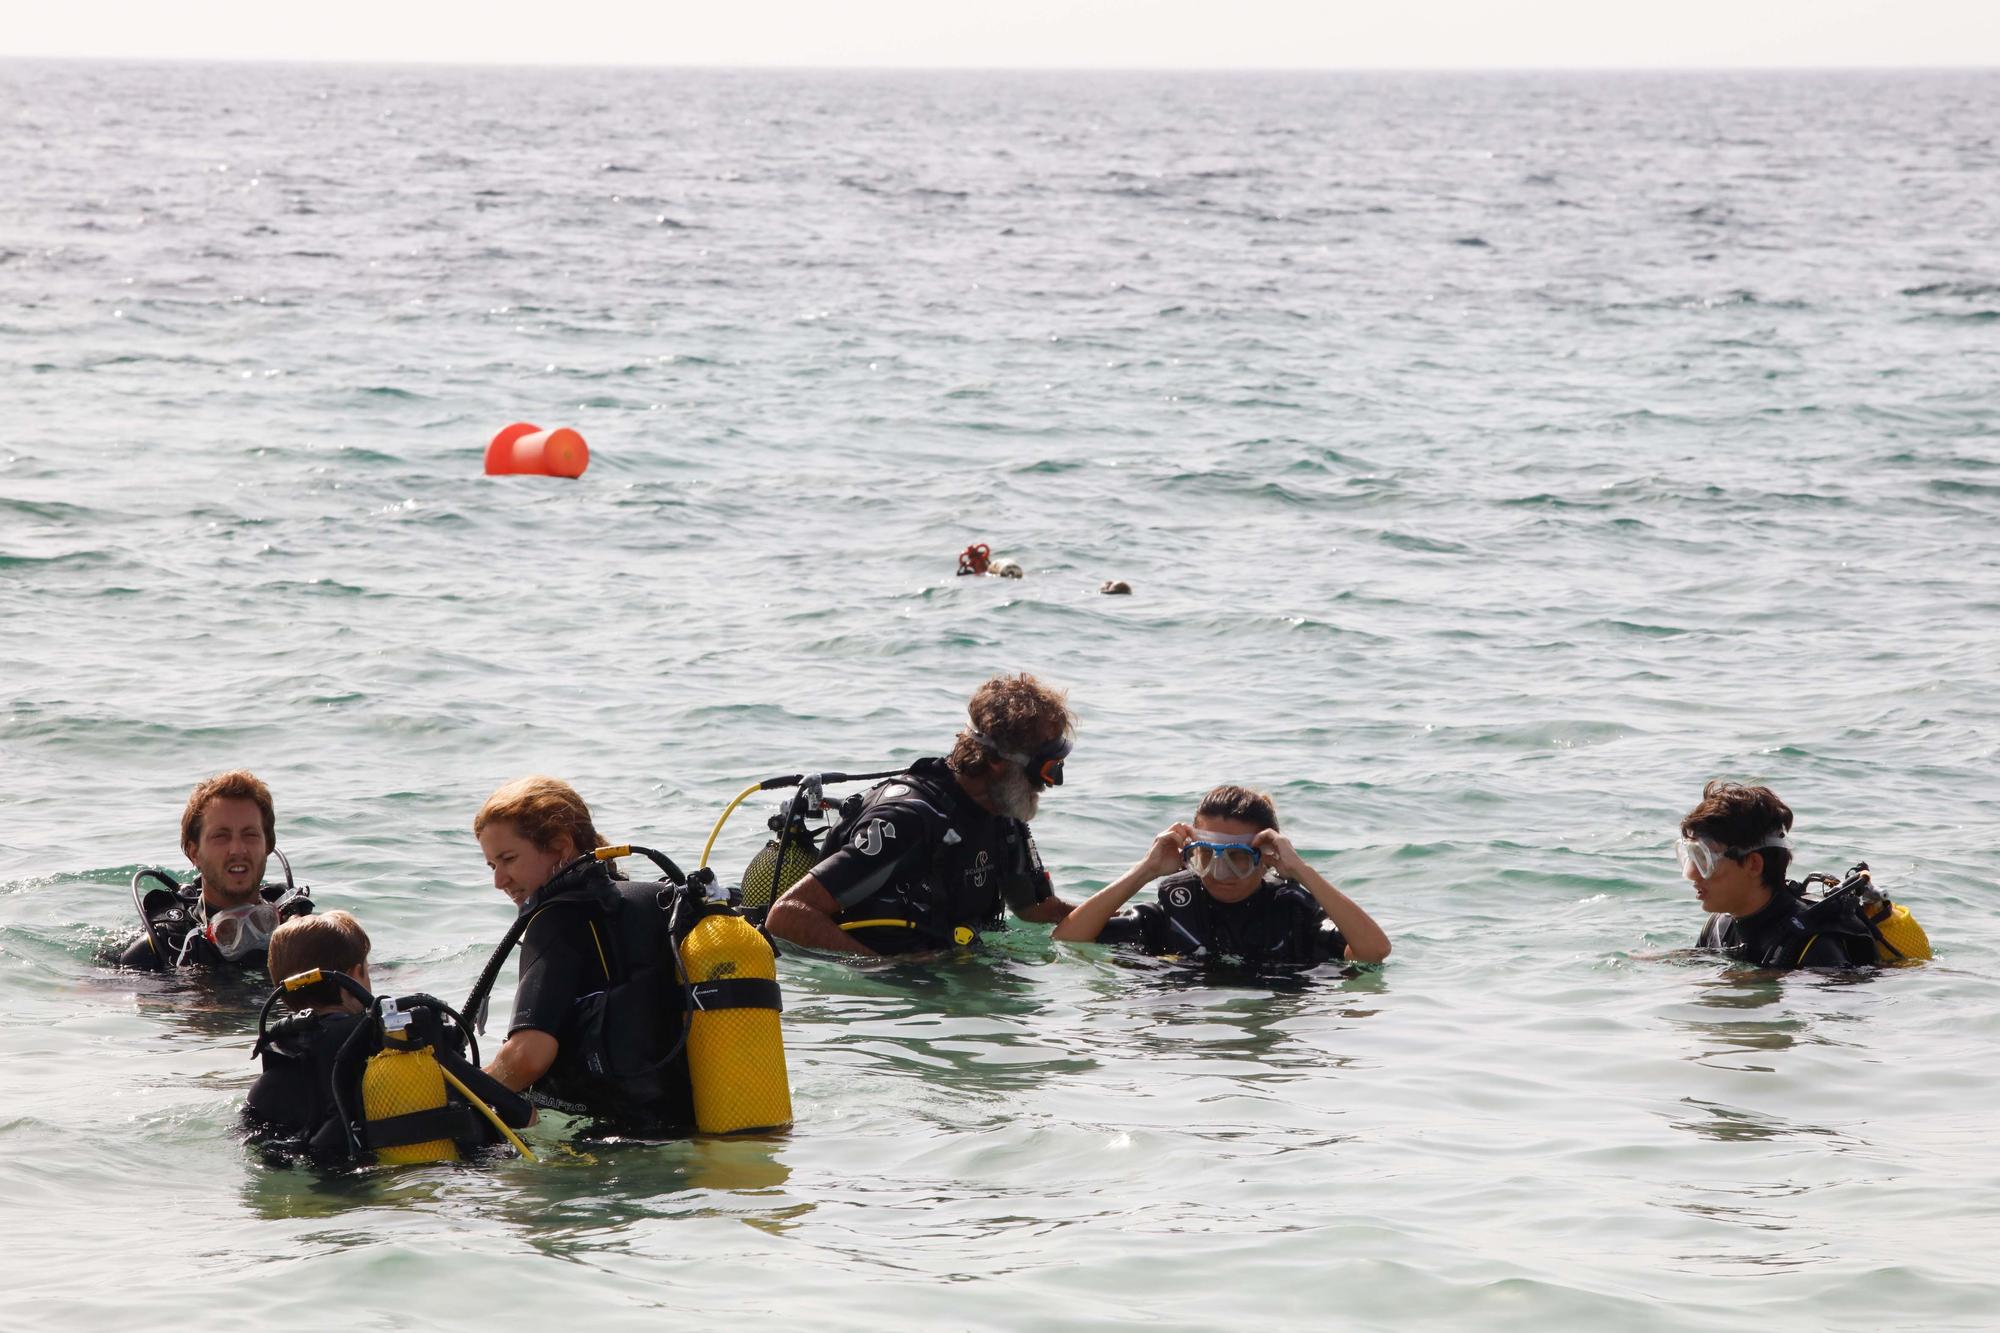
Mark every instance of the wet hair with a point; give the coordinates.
(1018, 713)
(237, 784)
(1742, 817)
(544, 811)
(1241, 804)
(330, 941)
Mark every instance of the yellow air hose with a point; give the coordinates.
(716, 832)
(488, 1112)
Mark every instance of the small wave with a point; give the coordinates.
(77, 559)
(1958, 317)
(1640, 629)
(1404, 541)
(51, 511)
(1474, 242)
(1966, 289)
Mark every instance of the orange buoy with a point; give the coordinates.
(522, 449)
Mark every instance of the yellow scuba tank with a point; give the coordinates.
(404, 1078)
(1895, 927)
(1897, 936)
(784, 861)
(736, 1055)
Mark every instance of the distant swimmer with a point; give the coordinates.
(225, 917)
(1735, 847)
(932, 856)
(323, 1093)
(1231, 888)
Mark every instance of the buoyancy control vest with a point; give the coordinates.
(172, 914)
(391, 1084)
(978, 865)
(1853, 923)
(685, 1028)
(1280, 924)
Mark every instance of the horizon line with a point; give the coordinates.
(413, 62)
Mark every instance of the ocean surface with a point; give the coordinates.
(1494, 459)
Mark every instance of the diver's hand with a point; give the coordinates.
(1164, 856)
(1279, 852)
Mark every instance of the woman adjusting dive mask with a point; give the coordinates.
(1229, 855)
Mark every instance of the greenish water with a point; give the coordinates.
(1494, 459)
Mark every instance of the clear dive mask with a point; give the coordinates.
(1703, 855)
(237, 931)
(1223, 854)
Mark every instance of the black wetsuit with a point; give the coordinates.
(1280, 925)
(927, 859)
(292, 1107)
(176, 921)
(1780, 936)
(591, 977)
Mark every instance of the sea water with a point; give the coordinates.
(1493, 458)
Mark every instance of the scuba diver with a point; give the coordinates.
(227, 915)
(1234, 889)
(323, 1091)
(927, 859)
(652, 1006)
(1735, 847)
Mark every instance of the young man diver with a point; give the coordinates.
(936, 853)
(229, 828)
(1234, 889)
(1735, 847)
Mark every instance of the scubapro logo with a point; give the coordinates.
(1179, 896)
(872, 837)
(978, 872)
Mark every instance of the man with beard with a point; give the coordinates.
(934, 853)
(228, 830)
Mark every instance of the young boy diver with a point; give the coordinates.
(1234, 888)
(293, 1104)
(1735, 847)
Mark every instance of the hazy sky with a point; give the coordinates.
(1091, 33)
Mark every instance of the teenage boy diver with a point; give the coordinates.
(1244, 894)
(1735, 847)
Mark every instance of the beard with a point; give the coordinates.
(1015, 795)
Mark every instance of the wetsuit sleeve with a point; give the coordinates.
(512, 1108)
(1714, 931)
(1027, 883)
(1328, 942)
(139, 953)
(554, 972)
(274, 1101)
(1146, 926)
(889, 843)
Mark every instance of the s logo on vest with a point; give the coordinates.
(980, 868)
(871, 837)
(1180, 895)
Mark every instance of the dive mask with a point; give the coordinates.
(1228, 856)
(1044, 766)
(1703, 855)
(236, 931)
